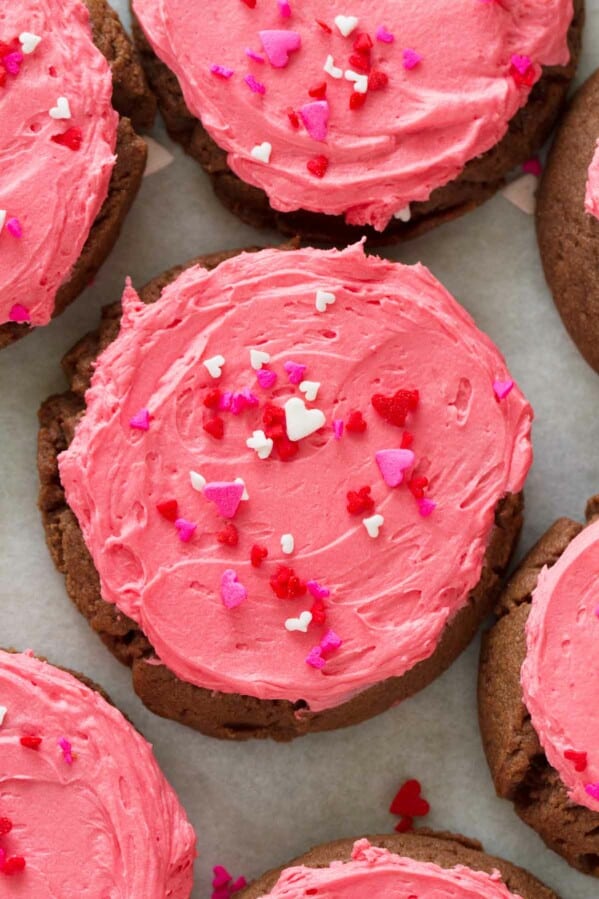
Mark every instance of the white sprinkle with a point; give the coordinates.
(198, 481)
(245, 494)
(287, 543)
(301, 422)
(331, 69)
(299, 624)
(3, 711)
(261, 444)
(323, 299)
(258, 358)
(29, 41)
(310, 389)
(373, 524)
(214, 365)
(346, 24)
(360, 81)
(404, 215)
(262, 151)
(2, 218)
(62, 110)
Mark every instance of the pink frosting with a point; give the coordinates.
(457, 74)
(377, 872)
(389, 327)
(591, 200)
(91, 812)
(52, 191)
(560, 676)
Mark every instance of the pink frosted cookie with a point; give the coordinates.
(297, 474)
(84, 808)
(539, 680)
(58, 141)
(318, 117)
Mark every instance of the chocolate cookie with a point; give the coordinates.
(224, 714)
(569, 234)
(519, 765)
(478, 180)
(443, 849)
(135, 104)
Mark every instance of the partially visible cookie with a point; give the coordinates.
(567, 220)
(84, 803)
(62, 127)
(543, 754)
(424, 864)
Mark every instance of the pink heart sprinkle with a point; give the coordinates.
(67, 752)
(254, 85)
(222, 71)
(278, 45)
(253, 55)
(266, 378)
(315, 117)
(13, 226)
(243, 399)
(592, 790)
(19, 313)
(141, 420)
(231, 591)
(284, 8)
(226, 495)
(502, 388)
(426, 507)
(12, 62)
(533, 167)
(338, 428)
(330, 642)
(410, 58)
(317, 591)
(392, 464)
(2, 858)
(221, 876)
(314, 658)
(521, 63)
(383, 35)
(295, 371)
(185, 529)
(224, 401)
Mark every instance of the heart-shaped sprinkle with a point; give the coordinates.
(355, 423)
(337, 426)
(245, 495)
(410, 58)
(287, 544)
(301, 623)
(324, 298)
(383, 35)
(295, 371)
(169, 509)
(403, 215)
(2, 218)
(346, 24)
(301, 422)
(214, 365)
(521, 63)
(3, 712)
(409, 802)
(5, 826)
(395, 409)
(215, 427)
(262, 152)
(426, 507)
(258, 358)
(12, 62)
(317, 591)
(70, 138)
(314, 658)
(284, 9)
(19, 314)
(318, 166)
(266, 378)
(140, 421)
(373, 524)
(318, 92)
(330, 642)
(29, 42)
(359, 81)
(359, 501)
(229, 536)
(392, 464)
(221, 71)
(404, 826)
(319, 612)
(31, 742)
(14, 228)
(198, 481)
(257, 555)
(278, 45)
(226, 495)
(254, 85)
(592, 790)
(310, 389)
(232, 592)
(315, 117)
(62, 110)
(185, 529)
(502, 388)
(580, 759)
(331, 69)
(261, 444)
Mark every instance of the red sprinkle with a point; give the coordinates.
(273, 418)
(523, 78)
(324, 26)
(377, 80)
(395, 409)
(417, 486)
(359, 501)
(258, 554)
(250, 3)
(408, 801)
(286, 584)
(319, 612)
(71, 138)
(579, 759)
(13, 865)
(286, 448)
(318, 166)
(319, 92)
(212, 399)
(293, 118)
(31, 742)
(169, 509)
(360, 62)
(5, 826)
(2, 75)
(215, 427)
(355, 423)
(356, 100)
(407, 440)
(363, 43)
(405, 824)
(229, 535)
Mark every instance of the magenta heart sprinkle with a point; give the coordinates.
(266, 378)
(185, 529)
(278, 45)
(384, 35)
(19, 314)
(314, 658)
(295, 371)
(317, 591)
(140, 421)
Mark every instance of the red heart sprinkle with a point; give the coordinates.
(286, 584)
(408, 802)
(360, 62)
(31, 742)
(359, 501)
(71, 138)
(324, 26)
(523, 78)
(258, 554)
(169, 509)
(2, 75)
(417, 485)
(579, 758)
(405, 824)
(5, 826)
(215, 427)
(212, 399)
(229, 535)
(407, 440)
(250, 3)
(319, 612)
(293, 118)
(13, 865)
(356, 100)
(318, 166)
(377, 80)
(319, 92)
(286, 448)
(363, 43)
(355, 423)
(395, 409)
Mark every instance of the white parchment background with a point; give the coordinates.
(255, 805)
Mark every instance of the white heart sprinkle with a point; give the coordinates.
(346, 24)
(331, 69)
(373, 524)
(261, 443)
(522, 193)
(301, 422)
(299, 624)
(3, 711)
(215, 365)
(287, 543)
(310, 389)
(360, 81)
(2, 218)
(404, 215)
(323, 299)
(245, 494)
(62, 110)
(198, 481)
(262, 151)
(29, 41)
(258, 358)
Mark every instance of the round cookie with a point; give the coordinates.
(334, 173)
(567, 220)
(71, 93)
(384, 551)
(537, 722)
(84, 807)
(421, 863)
